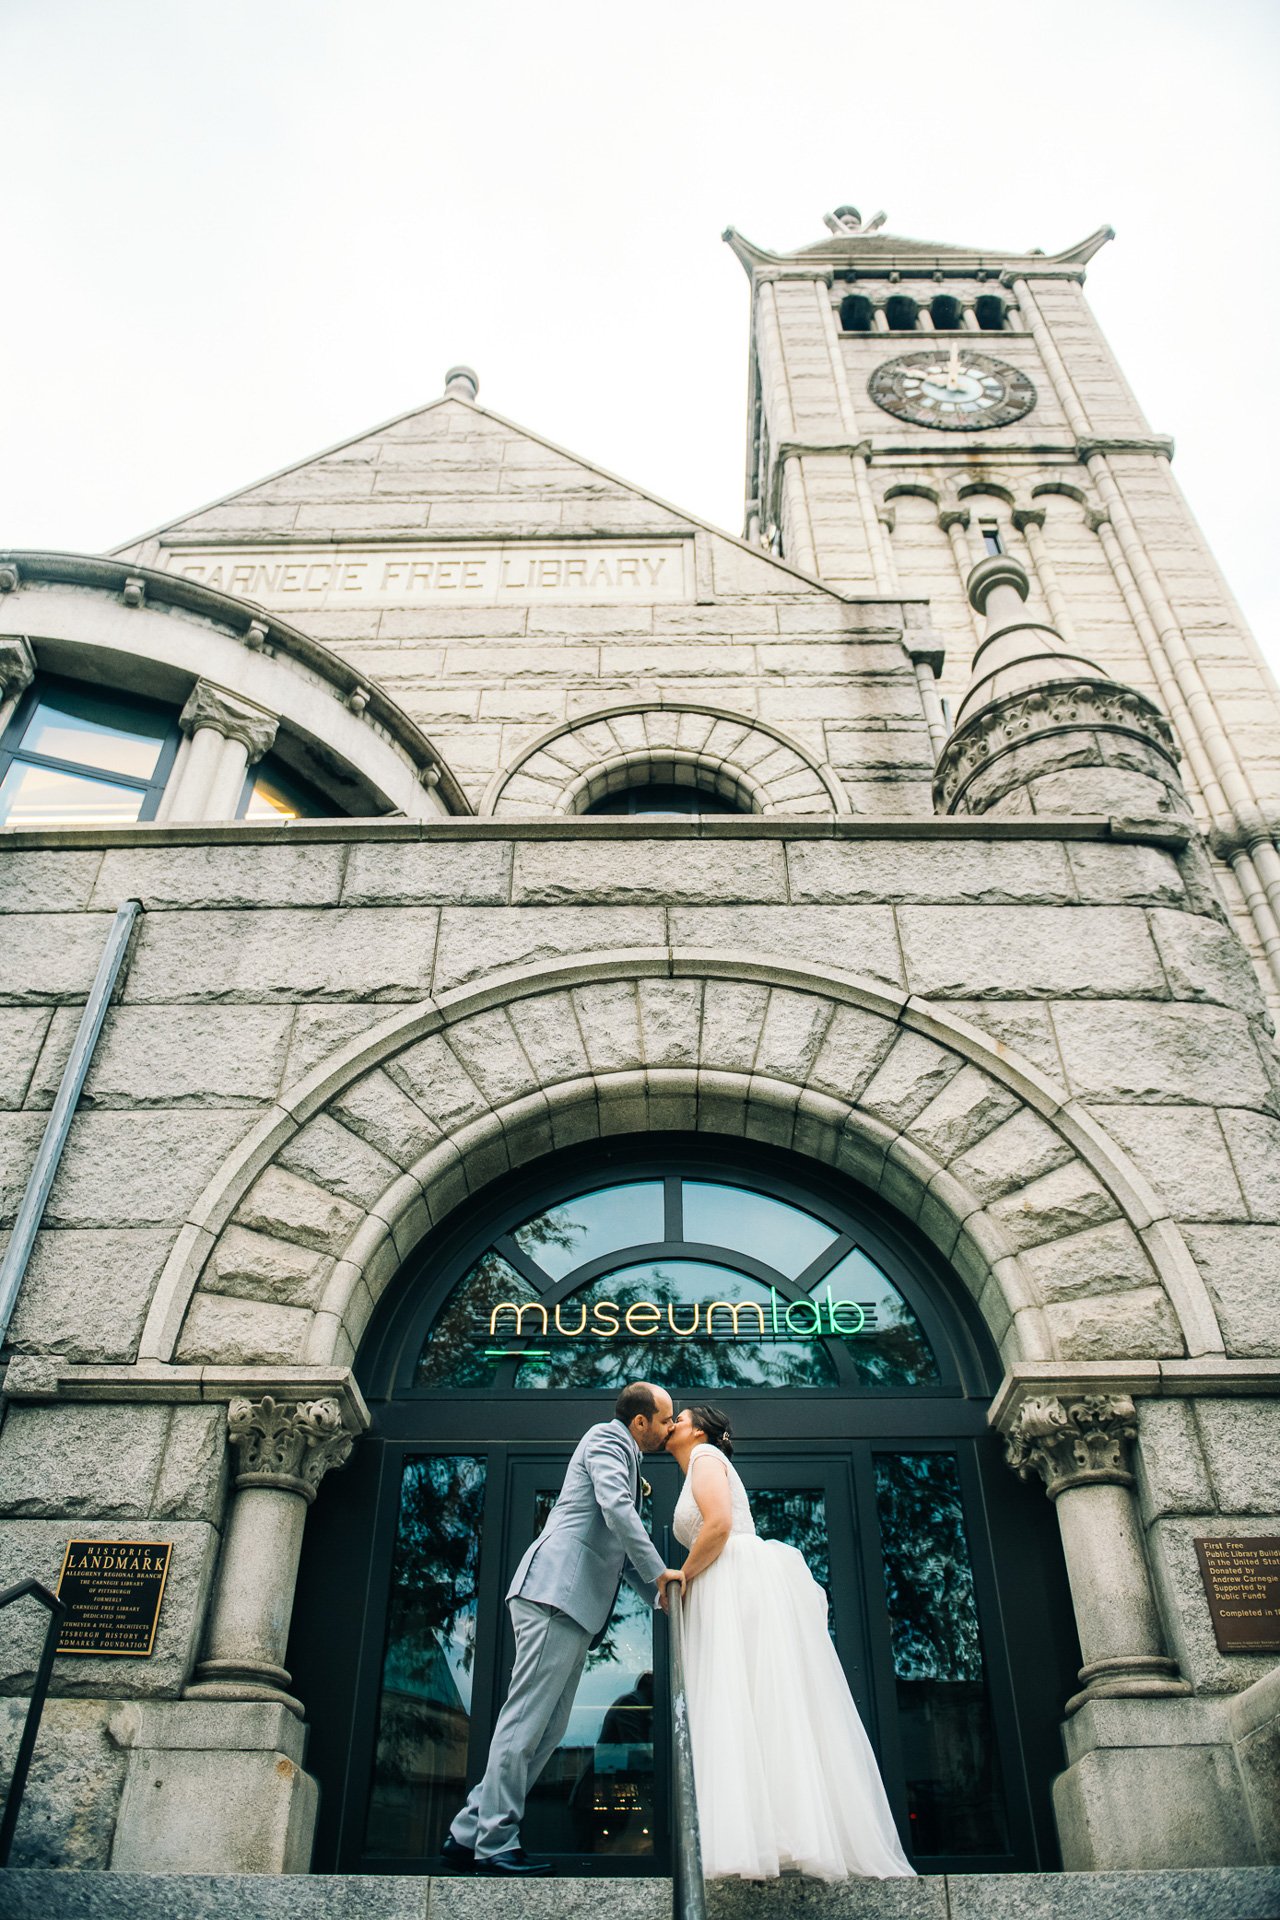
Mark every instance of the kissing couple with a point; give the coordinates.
(784, 1774)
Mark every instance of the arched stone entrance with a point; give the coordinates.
(1066, 1258)
(868, 1451)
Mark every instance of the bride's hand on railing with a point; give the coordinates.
(671, 1578)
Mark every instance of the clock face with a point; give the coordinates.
(952, 388)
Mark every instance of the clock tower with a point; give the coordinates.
(918, 407)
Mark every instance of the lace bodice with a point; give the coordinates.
(687, 1521)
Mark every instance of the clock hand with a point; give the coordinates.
(953, 365)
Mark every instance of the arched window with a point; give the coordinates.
(78, 755)
(857, 1376)
(900, 311)
(989, 311)
(272, 791)
(676, 783)
(946, 313)
(857, 315)
(705, 1284)
(663, 796)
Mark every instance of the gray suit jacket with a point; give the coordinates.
(594, 1537)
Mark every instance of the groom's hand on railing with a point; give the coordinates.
(671, 1578)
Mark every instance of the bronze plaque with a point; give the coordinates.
(112, 1591)
(1242, 1580)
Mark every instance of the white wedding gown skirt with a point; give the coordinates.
(783, 1771)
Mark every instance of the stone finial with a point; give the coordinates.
(230, 715)
(848, 221)
(461, 383)
(10, 578)
(1042, 728)
(134, 591)
(290, 1444)
(1073, 1443)
(17, 665)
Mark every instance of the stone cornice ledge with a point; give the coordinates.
(1155, 830)
(32, 1377)
(1140, 1379)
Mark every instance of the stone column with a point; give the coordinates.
(1079, 1448)
(226, 735)
(1233, 847)
(954, 522)
(928, 665)
(17, 671)
(1030, 524)
(285, 1448)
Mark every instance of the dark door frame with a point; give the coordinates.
(1026, 1620)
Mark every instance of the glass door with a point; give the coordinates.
(436, 1632)
(600, 1803)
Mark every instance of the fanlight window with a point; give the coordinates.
(699, 1283)
(272, 792)
(76, 755)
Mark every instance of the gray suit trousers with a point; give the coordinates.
(551, 1650)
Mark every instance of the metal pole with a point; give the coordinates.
(31, 1727)
(689, 1888)
(30, 1213)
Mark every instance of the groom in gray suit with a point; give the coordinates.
(560, 1600)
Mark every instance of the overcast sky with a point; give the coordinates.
(237, 232)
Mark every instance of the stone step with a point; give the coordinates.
(1204, 1893)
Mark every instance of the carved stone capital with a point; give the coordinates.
(228, 714)
(17, 666)
(1024, 517)
(1095, 518)
(289, 1444)
(1073, 1443)
(1160, 443)
(953, 517)
(1251, 828)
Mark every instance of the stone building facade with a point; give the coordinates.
(898, 883)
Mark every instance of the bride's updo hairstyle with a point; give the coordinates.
(712, 1422)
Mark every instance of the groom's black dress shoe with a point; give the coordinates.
(461, 1859)
(514, 1863)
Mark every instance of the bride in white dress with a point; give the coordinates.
(784, 1773)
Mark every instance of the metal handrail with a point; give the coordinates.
(688, 1886)
(49, 1153)
(35, 1706)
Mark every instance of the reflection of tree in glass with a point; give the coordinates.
(685, 1364)
(555, 1228)
(928, 1577)
(896, 1353)
(798, 1517)
(629, 1606)
(432, 1610)
(453, 1354)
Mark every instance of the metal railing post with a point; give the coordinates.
(54, 1138)
(688, 1887)
(35, 1707)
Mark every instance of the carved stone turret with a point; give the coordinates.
(1042, 729)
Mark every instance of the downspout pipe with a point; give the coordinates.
(14, 1265)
